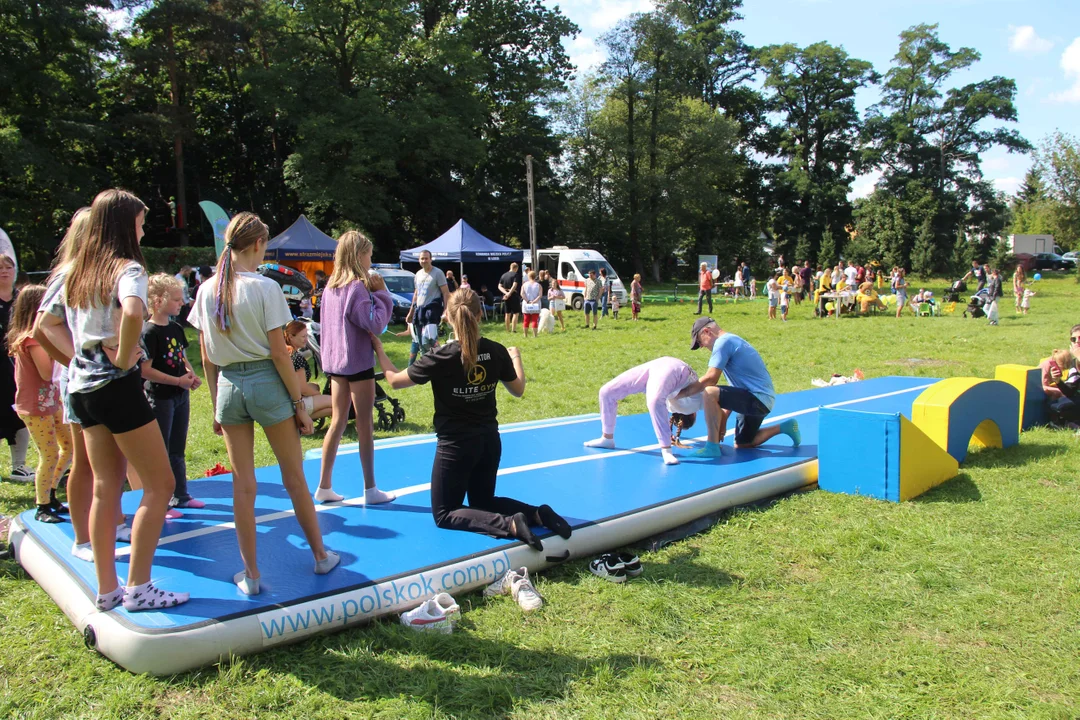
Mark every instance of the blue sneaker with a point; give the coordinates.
(791, 429)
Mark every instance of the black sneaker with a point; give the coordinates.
(630, 564)
(606, 566)
(46, 514)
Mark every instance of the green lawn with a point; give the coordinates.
(961, 604)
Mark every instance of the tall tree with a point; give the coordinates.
(812, 93)
(1058, 161)
(51, 128)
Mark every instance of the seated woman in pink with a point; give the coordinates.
(659, 379)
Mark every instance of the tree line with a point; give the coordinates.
(401, 116)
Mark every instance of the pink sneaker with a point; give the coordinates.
(192, 503)
(173, 513)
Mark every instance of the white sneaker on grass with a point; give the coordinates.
(22, 474)
(517, 584)
(435, 615)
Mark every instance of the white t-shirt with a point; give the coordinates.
(738, 278)
(773, 288)
(95, 328)
(851, 274)
(428, 284)
(258, 307)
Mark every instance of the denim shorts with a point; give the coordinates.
(590, 307)
(252, 391)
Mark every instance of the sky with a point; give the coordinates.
(1034, 42)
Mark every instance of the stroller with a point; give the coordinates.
(388, 418)
(293, 284)
(977, 304)
(953, 293)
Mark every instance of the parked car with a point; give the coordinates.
(1071, 255)
(1053, 261)
(400, 283)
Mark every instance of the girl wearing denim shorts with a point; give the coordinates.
(105, 297)
(240, 315)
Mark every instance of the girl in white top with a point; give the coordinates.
(105, 295)
(737, 286)
(240, 315)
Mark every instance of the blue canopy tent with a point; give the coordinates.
(304, 247)
(463, 244)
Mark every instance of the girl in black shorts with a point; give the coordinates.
(463, 377)
(105, 295)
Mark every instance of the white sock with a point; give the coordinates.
(148, 597)
(19, 447)
(82, 551)
(601, 442)
(375, 496)
(669, 457)
(108, 601)
(328, 563)
(327, 495)
(123, 533)
(248, 586)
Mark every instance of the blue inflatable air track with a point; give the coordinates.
(393, 556)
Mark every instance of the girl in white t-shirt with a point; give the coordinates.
(240, 315)
(105, 295)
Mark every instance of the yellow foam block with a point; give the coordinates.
(955, 411)
(1028, 382)
(923, 463)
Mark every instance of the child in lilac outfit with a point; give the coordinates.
(354, 304)
(658, 379)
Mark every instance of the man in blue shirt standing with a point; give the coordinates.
(749, 391)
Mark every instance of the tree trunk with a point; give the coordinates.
(178, 138)
(654, 199)
(631, 178)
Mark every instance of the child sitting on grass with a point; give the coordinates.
(168, 377)
(37, 401)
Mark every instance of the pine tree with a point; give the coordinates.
(803, 251)
(922, 255)
(827, 250)
(962, 255)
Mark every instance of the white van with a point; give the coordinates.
(572, 268)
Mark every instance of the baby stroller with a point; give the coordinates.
(977, 304)
(953, 293)
(388, 418)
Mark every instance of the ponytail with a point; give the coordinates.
(243, 231)
(462, 312)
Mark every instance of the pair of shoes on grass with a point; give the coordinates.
(517, 584)
(616, 567)
(439, 614)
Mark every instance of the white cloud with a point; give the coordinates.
(1025, 40)
(864, 185)
(1070, 63)
(585, 54)
(608, 12)
(1008, 185)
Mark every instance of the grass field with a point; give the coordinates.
(961, 604)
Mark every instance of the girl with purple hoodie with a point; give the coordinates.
(354, 304)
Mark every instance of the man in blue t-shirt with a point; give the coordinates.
(749, 391)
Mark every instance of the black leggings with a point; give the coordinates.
(467, 466)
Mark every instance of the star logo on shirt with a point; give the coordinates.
(477, 375)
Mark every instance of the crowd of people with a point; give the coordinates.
(862, 288)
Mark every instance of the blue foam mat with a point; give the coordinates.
(542, 463)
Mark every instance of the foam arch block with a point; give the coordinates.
(879, 455)
(955, 411)
(1028, 382)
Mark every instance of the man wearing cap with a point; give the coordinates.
(749, 391)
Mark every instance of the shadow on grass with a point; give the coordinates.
(1022, 454)
(462, 675)
(961, 489)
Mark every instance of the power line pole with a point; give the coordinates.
(532, 210)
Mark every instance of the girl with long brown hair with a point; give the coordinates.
(463, 376)
(355, 305)
(105, 297)
(240, 315)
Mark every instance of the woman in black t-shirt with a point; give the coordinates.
(463, 376)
